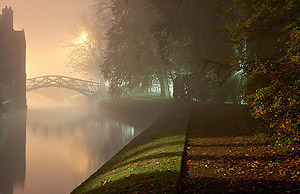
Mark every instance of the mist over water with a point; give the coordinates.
(56, 147)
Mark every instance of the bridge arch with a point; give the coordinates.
(87, 88)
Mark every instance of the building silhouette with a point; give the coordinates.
(12, 62)
(12, 151)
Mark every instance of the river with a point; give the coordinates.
(51, 149)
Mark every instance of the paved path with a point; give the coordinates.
(221, 156)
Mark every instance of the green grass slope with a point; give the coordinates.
(150, 163)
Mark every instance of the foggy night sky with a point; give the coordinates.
(48, 26)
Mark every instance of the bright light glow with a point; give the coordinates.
(84, 36)
(81, 40)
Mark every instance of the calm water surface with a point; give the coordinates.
(56, 148)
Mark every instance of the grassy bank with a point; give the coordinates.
(208, 148)
(152, 161)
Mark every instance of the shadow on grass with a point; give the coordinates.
(150, 157)
(156, 182)
(219, 185)
(145, 150)
(147, 157)
(151, 161)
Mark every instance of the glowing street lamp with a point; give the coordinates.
(81, 39)
(83, 36)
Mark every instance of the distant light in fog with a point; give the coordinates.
(48, 28)
(81, 39)
(84, 36)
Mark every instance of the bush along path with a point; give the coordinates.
(222, 156)
(151, 163)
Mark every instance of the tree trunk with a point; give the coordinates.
(162, 87)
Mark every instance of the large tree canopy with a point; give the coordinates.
(224, 51)
(131, 56)
(156, 42)
(268, 36)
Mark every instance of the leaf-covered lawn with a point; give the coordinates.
(222, 155)
(150, 163)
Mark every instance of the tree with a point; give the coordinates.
(87, 50)
(131, 59)
(191, 46)
(268, 36)
(152, 43)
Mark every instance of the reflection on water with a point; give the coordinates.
(12, 151)
(64, 146)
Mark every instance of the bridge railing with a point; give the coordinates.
(85, 87)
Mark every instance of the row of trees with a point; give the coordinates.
(160, 46)
(217, 51)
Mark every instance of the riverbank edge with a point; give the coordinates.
(150, 162)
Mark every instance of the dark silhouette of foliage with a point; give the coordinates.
(131, 58)
(267, 38)
(156, 42)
